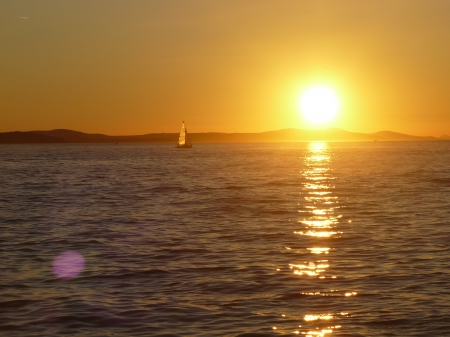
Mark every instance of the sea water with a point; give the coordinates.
(312, 239)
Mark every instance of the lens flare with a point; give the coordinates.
(68, 265)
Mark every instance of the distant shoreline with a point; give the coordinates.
(286, 135)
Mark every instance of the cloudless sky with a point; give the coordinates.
(135, 67)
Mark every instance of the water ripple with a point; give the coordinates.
(319, 240)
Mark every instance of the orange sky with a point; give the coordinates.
(135, 67)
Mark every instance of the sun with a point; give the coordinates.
(319, 104)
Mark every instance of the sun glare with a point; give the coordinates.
(319, 104)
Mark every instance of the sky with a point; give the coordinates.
(137, 67)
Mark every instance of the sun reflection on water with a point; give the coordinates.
(321, 207)
(316, 317)
(319, 210)
(319, 250)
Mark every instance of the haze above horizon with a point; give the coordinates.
(141, 67)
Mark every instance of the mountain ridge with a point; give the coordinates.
(283, 135)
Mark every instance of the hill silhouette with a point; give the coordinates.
(17, 137)
(285, 135)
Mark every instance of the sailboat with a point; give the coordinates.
(184, 141)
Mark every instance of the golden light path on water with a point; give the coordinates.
(319, 221)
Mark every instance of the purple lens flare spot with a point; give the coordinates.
(68, 265)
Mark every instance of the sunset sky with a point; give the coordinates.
(135, 67)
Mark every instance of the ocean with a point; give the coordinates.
(269, 239)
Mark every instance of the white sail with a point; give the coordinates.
(184, 140)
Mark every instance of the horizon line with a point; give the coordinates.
(221, 132)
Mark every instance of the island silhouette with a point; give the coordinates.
(284, 135)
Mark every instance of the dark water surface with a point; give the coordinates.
(320, 240)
